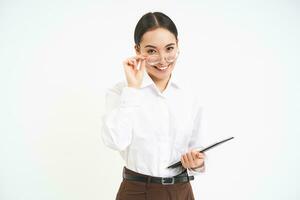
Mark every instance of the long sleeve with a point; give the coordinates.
(196, 140)
(117, 122)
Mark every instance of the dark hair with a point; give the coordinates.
(151, 21)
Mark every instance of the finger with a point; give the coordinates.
(190, 157)
(143, 65)
(139, 57)
(135, 63)
(186, 160)
(183, 162)
(195, 155)
(127, 65)
(129, 62)
(192, 162)
(132, 63)
(200, 155)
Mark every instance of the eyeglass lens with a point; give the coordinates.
(155, 59)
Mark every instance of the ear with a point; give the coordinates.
(137, 49)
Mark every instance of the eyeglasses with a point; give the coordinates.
(156, 59)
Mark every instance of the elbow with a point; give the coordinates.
(114, 139)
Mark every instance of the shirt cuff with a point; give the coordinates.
(196, 171)
(130, 97)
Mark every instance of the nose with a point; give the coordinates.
(163, 61)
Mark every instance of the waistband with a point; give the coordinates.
(135, 176)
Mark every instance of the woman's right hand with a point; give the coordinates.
(134, 76)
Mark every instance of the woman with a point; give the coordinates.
(152, 119)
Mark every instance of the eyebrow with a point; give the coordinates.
(155, 46)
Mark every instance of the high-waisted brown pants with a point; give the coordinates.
(134, 190)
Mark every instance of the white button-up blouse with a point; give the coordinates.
(152, 129)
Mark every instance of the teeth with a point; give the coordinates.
(162, 68)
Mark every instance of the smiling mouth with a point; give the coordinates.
(162, 68)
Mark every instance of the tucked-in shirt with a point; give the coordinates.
(152, 129)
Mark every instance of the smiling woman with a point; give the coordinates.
(152, 119)
(155, 38)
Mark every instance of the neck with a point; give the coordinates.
(161, 84)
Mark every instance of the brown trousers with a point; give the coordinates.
(134, 190)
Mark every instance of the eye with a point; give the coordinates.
(151, 51)
(170, 48)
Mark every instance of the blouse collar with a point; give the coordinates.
(148, 81)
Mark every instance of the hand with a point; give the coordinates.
(192, 159)
(134, 76)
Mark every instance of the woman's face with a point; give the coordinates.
(159, 42)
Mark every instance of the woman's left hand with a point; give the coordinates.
(192, 159)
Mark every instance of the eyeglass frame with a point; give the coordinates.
(176, 56)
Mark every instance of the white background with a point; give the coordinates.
(57, 58)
